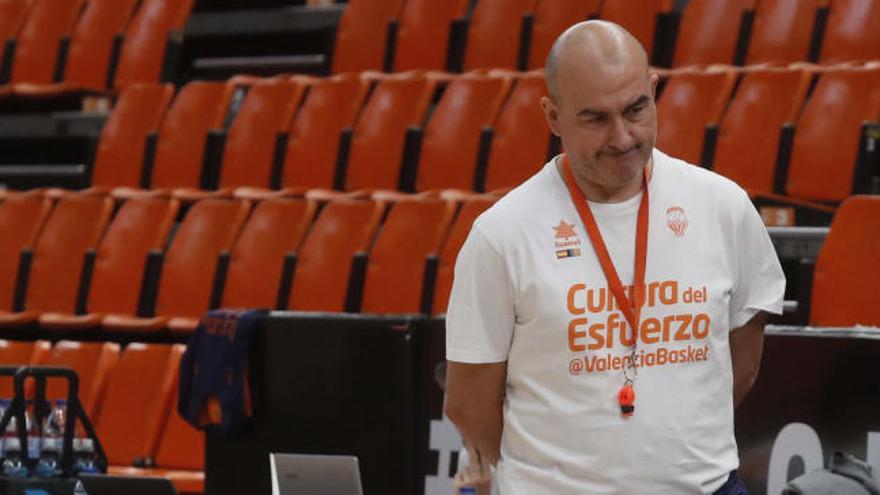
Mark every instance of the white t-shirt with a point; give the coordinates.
(529, 290)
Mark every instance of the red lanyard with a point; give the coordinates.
(630, 308)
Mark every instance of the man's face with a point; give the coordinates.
(607, 120)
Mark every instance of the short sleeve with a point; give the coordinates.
(480, 317)
(760, 282)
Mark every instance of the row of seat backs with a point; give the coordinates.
(130, 396)
(827, 107)
(708, 30)
(38, 27)
(257, 241)
(312, 114)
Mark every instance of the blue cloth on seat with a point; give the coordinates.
(213, 389)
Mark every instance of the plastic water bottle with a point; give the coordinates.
(4, 406)
(84, 461)
(49, 464)
(33, 435)
(13, 465)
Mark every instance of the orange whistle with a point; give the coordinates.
(627, 397)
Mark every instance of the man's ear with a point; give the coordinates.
(551, 113)
(654, 80)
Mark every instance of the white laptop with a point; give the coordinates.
(307, 474)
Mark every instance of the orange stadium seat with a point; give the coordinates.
(12, 17)
(21, 218)
(91, 48)
(641, 20)
(37, 44)
(494, 34)
(552, 17)
(423, 33)
(199, 107)
(846, 280)
(93, 363)
(378, 137)
(251, 143)
(145, 39)
(749, 134)
(180, 456)
(331, 105)
(826, 141)
(361, 35)
(141, 225)
(470, 210)
(74, 226)
(518, 150)
(14, 353)
(708, 32)
(852, 32)
(323, 268)
(276, 227)
(187, 276)
(452, 137)
(691, 101)
(137, 399)
(120, 155)
(395, 281)
(781, 31)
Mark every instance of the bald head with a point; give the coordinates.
(599, 47)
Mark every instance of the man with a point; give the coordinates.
(546, 377)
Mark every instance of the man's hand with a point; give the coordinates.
(474, 400)
(746, 347)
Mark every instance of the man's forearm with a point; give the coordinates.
(481, 429)
(474, 403)
(746, 348)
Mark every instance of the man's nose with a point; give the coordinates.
(619, 136)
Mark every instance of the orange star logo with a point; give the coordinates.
(564, 230)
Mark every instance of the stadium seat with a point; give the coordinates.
(749, 134)
(846, 280)
(93, 363)
(452, 137)
(518, 149)
(395, 281)
(708, 32)
(641, 20)
(180, 456)
(15, 353)
(362, 34)
(852, 32)
(251, 142)
(37, 44)
(21, 219)
(331, 105)
(423, 33)
(136, 402)
(199, 107)
(470, 209)
(141, 225)
(827, 139)
(782, 31)
(13, 15)
(377, 144)
(188, 270)
(74, 226)
(145, 40)
(120, 155)
(343, 228)
(691, 101)
(551, 18)
(494, 34)
(91, 46)
(275, 228)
